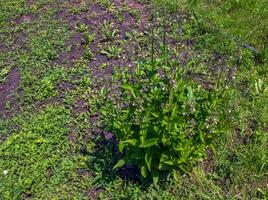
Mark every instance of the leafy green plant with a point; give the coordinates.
(162, 121)
(112, 51)
(109, 32)
(109, 5)
(89, 38)
(81, 27)
(88, 53)
(3, 73)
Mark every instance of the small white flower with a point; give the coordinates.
(5, 172)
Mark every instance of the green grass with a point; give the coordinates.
(245, 21)
(48, 149)
(35, 151)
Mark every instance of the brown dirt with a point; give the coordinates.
(30, 2)
(94, 18)
(27, 18)
(94, 193)
(3, 47)
(20, 40)
(209, 163)
(8, 92)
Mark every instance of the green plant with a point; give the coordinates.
(112, 51)
(3, 73)
(109, 5)
(162, 121)
(135, 14)
(119, 17)
(88, 53)
(8, 105)
(89, 38)
(246, 59)
(81, 27)
(109, 32)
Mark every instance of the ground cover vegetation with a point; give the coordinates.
(133, 99)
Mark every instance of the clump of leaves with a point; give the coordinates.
(88, 53)
(108, 31)
(3, 73)
(89, 38)
(109, 5)
(80, 27)
(162, 121)
(112, 51)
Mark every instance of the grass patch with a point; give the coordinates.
(36, 156)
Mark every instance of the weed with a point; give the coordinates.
(3, 73)
(112, 51)
(109, 5)
(109, 33)
(89, 38)
(161, 123)
(81, 27)
(88, 53)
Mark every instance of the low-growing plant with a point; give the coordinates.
(109, 5)
(88, 53)
(3, 73)
(89, 38)
(112, 51)
(108, 31)
(81, 27)
(162, 121)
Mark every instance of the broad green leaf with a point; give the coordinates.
(122, 144)
(148, 160)
(190, 93)
(156, 128)
(163, 166)
(155, 175)
(169, 162)
(150, 142)
(174, 112)
(163, 157)
(119, 164)
(121, 147)
(103, 91)
(144, 171)
(131, 141)
(130, 88)
(156, 115)
(165, 162)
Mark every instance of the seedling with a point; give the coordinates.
(112, 51)
(88, 53)
(81, 27)
(89, 38)
(8, 105)
(135, 14)
(109, 32)
(109, 5)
